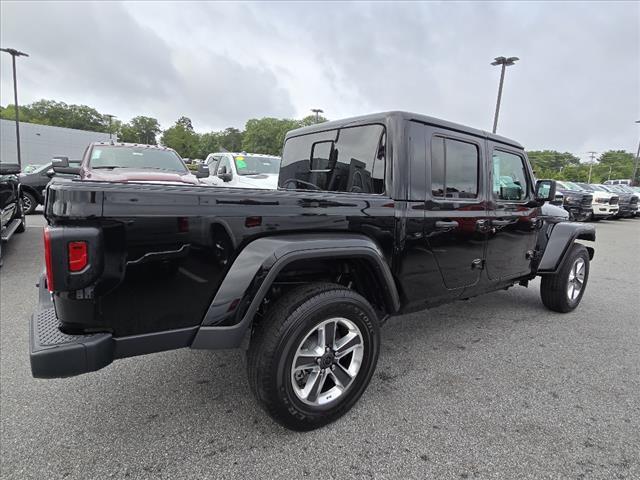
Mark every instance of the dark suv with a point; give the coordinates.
(11, 214)
(34, 182)
(375, 216)
(576, 201)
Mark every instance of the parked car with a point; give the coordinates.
(628, 200)
(242, 170)
(619, 181)
(577, 201)
(127, 162)
(34, 181)
(605, 204)
(375, 216)
(11, 214)
(636, 191)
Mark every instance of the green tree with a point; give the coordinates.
(59, 114)
(551, 163)
(230, 139)
(182, 138)
(266, 135)
(208, 143)
(140, 129)
(616, 163)
(311, 120)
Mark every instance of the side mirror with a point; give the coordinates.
(545, 190)
(203, 171)
(223, 175)
(61, 165)
(50, 173)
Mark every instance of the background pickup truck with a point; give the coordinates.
(375, 216)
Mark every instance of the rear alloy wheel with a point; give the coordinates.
(313, 354)
(563, 291)
(29, 203)
(327, 361)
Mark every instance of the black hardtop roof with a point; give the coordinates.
(382, 117)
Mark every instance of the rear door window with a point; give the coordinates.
(454, 168)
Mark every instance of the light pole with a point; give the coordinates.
(635, 164)
(593, 160)
(16, 53)
(505, 62)
(317, 111)
(110, 117)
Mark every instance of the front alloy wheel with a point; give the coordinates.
(562, 291)
(576, 279)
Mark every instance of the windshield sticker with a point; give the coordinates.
(240, 163)
(95, 155)
(137, 154)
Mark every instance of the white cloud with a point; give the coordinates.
(577, 86)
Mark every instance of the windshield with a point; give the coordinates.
(248, 165)
(572, 186)
(35, 168)
(598, 188)
(586, 186)
(108, 156)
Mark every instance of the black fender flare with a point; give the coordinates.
(562, 237)
(256, 267)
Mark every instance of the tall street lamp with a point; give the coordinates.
(635, 164)
(505, 62)
(317, 111)
(110, 117)
(16, 53)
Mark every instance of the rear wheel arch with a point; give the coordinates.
(249, 282)
(358, 272)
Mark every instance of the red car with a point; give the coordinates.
(127, 162)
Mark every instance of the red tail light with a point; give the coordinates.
(47, 258)
(78, 257)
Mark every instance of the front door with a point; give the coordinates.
(514, 221)
(455, 219)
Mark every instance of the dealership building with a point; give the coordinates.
(40, 143)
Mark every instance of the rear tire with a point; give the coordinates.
(313, 355)
(563, 291)
(29, 203)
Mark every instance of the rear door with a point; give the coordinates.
(455, 211)
(514, 222)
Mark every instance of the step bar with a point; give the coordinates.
(10, 229)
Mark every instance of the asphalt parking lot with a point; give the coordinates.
(494, 387)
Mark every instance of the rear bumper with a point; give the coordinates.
(55, 354)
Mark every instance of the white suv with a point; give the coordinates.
(242, 170)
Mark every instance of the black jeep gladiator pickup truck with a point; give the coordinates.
(375, 216)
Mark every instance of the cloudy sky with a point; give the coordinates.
(576, 87)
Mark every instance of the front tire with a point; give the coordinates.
(563, 291)
(313, 355)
